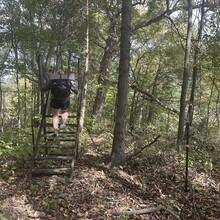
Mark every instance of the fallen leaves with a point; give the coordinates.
(96, 191)
(37, 214)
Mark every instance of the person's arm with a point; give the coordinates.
(73, 87)
(47, 87)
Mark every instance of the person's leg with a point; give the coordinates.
(55, 107)
(64, 113)
(55, 113)
(55, 120)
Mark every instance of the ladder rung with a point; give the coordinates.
(57, 146)
(69, 116)
(62, 132)
(59, 139)
(54, 158)
(61, 135)
(68, 125)
(59, 154)
(51, 171)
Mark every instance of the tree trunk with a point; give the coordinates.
(17, 83)
(217, 108)
(118, 146)
(133, 112)
(195, 67)
(69, 61)
(185, 79)
(206, 130)
(41, 80)
(103, 79)
(25, 101)
(134, 103)
(1, 107)
(58, 57)
(150, 116)
(82, 102)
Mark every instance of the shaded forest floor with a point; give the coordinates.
(150, 180)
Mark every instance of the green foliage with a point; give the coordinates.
(213, 47)
(15, 144)
(86, 140)
(157, 58)
(209, 165)
(109, 110)
(106, 139)
(14, 150)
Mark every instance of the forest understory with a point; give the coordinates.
(153, 179)
(150, 68)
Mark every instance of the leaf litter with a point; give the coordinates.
(96, 192)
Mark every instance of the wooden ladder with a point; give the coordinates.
(55, 155)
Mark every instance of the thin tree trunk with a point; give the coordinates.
(135, 98)
(217, 108)
(133, 110)
(151, 107)
(59, 57)
(33, 94)
(17, 84)
(25, 100)
(208, 112)
(118, 146)
(83, 86)
(103, 79)
(38, 99)
(167, 125)
(19, 99)
(185, 79)
(69, 61)
(40, 80)
(1, 107)
(195, 67)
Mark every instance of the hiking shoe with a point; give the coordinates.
(55, 134)
(62, 126)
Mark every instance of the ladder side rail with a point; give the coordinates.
(32, 131)
(43, 113)
(46, 113)
(79, 97)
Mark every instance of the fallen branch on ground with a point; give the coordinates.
(89, 133)
(146, 211)
(136, 153)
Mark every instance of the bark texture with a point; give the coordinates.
(118, 147)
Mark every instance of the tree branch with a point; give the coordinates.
(153, 20)
(168, 12)
(154, 99)
(136, 153)
(176, 31)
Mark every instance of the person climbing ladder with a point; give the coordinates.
(60, 85)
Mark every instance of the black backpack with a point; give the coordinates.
(60, 89)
